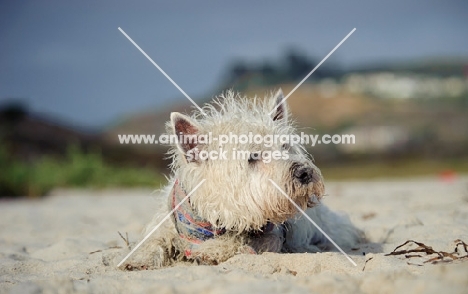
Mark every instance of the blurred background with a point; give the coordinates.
(70, 82)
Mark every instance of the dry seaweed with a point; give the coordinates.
(440, 256)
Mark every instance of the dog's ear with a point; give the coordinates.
(281, 109)
(186, 131)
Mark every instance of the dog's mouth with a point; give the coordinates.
(318, 190)
(313, 200)
(308, 186)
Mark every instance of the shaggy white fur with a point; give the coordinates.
(237, 196)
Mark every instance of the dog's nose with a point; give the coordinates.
(304, 174)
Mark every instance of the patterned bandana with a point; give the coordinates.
(189, 225)
(192, 227)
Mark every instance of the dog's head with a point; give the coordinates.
(240, 147)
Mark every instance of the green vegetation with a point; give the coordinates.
(77, 169)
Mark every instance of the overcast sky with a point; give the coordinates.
(67, 58)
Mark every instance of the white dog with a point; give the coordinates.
(237, 209)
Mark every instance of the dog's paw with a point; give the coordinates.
(271, 242)
(246, 249)
(144, 259)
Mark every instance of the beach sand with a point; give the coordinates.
(62, 244)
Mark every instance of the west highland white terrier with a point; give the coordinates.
(233, 206)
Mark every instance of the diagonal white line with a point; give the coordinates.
(315, 68)
(160, 223)
(318, 228)
(161, 70)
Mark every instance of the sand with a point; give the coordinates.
(63, 244)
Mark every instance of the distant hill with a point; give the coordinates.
(294, 66)
(431, 130)
(310, 104)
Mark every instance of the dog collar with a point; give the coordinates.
(191, 226)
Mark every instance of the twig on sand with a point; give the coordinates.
(127, 242)
(366, 263)
(100, 250)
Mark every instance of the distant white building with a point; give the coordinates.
(404, 86)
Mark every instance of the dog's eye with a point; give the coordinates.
(254, 156)
(286, 146)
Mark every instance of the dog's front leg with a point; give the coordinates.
(268, 242)
(219, 249)
(161, 249)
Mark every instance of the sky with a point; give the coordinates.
(67, 59)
